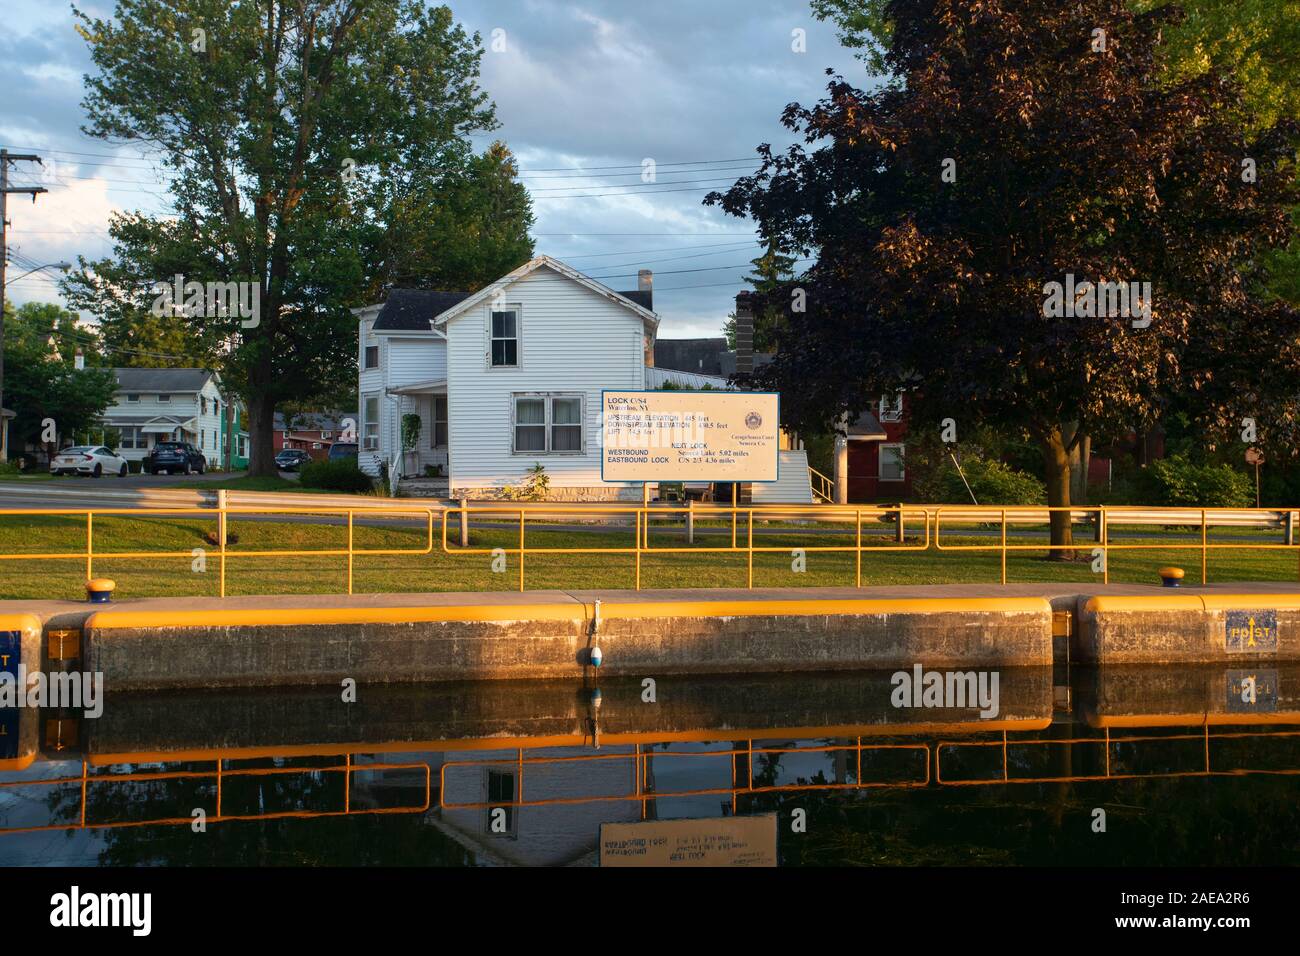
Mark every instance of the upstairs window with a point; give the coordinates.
(164, 398)
(372, 356)
(504, 352)
(133, 396)
(891, 408)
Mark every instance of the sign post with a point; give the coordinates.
(1255, 457)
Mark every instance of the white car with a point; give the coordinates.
(93, 460)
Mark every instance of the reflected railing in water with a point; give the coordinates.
(1112, 752)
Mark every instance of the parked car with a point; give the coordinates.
(93, 460)
(175, 457)
(343, 450)
(291, 459)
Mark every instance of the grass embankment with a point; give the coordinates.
(437, 571)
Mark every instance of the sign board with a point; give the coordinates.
(11, 652)
(714, 841)
(690, 436)
(1250, 632)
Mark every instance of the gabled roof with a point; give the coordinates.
(162, 379)
(409, 310)
(488, 292)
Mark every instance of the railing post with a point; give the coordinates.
(858, 555)
(1205, 550)
(1004, 544)
(1290, 528)
(637, 549)
(464, 522)
(750, 549)
(899, 535)
(690, 521)
(350, 516)
(521, 550)
(734, 517)
(1103, 522)
(221, 542)
(90, 546)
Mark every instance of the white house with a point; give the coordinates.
(504, 379)
(166, 404)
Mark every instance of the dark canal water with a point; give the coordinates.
(1180, 765)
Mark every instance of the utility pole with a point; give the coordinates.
(6, 158)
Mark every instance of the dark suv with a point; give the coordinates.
(173, 457)
(291, 459)
(342, 451)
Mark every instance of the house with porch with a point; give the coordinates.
(504, 379)
(167, 404)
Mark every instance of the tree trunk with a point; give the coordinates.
(1056, 466)
(261, 435)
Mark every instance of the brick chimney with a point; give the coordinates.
(744, 334)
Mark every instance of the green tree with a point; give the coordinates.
(294, 134)
(41, 382)
(1014, 154)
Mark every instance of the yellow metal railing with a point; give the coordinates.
(900, 528)
(222, 550)
(642, 517)
(823, 488)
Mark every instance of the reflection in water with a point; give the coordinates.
(1190, 764)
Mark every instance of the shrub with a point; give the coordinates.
(992, 482)
(536, 485)
(343, 475)
(9, 468)
(1177, 482)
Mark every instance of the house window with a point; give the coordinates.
(891, 463)
(440, 421)
(316, 445)
(891, 408)
(164, 399)
(500, 797)
(505, 339)
(372, 356)
(203, 405)
(371, 424)
(133, 396)
(548, 424)
(133, 438)
(325, 436)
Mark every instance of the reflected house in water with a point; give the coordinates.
(430, 769)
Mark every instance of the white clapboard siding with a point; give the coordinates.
(792, 487)
(572, 340)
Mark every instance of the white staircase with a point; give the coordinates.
(793, 485)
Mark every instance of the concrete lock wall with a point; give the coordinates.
(1190, 628)
(230, 648)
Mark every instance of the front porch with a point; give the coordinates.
(423, 470)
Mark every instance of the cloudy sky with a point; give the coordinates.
(585, 92)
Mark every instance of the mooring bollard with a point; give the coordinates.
(1171, 577)
(464, 523)
(100, 591)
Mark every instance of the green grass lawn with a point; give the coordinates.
(183, 573)
(27, 476)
